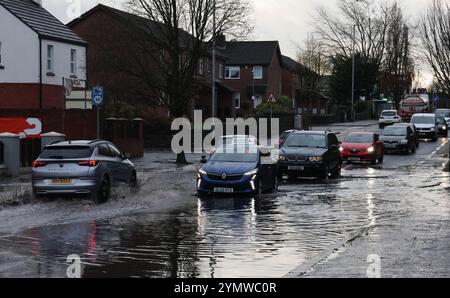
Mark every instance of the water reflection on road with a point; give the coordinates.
(228, 237)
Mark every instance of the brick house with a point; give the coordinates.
(253, 71)
(121, 43)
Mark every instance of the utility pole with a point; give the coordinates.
(214, 103)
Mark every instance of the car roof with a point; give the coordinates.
(361, 133)
(390, 111)
(88, 143)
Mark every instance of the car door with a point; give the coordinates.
(122, 169)
(108, 161)
(334, 159)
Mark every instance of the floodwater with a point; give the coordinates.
(223, 237)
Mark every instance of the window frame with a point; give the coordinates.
(262, 72)
(237, 96)
(50, 58)
(73, 62)
(228, 70)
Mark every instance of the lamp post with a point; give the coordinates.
(213, 90)
(353, 75)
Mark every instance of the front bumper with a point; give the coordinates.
(78, 186)
(364, 156)
(395, 146)
(301, 168)
(427, 134)
(245, 185)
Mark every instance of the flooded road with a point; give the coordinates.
(175, 234)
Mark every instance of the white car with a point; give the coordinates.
(389, 117)
(427, 126)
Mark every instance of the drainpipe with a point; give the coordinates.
(40, 73)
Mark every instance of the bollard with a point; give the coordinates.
(11, 151)
(50, 138)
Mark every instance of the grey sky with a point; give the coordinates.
(288, 21)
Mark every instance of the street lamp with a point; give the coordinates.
(353, 75)
(214, 108)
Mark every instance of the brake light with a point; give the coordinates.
(90, 163)
(37, 164)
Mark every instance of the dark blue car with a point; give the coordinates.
(241, 169)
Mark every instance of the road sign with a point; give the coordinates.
(271, 99)
(436, 98)
(97, 96)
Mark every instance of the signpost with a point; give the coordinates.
(271, 100)
(97, 101)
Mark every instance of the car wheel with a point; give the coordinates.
(104, 191)
(325, 173)
(260, 187)
(338, 171)
(381, 158)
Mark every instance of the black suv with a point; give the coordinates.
(399, 138)
(310, 153)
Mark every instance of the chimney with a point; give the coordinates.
(38, 2)
(221, 42)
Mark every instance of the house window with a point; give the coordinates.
(50, 58)
(0, 53)
(257, 72)
(220, 71)
(73, 62)
(201, 66)
(232, 72)
(237, 101)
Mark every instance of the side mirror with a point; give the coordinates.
(204, 160)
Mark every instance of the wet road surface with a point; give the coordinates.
(171, 233)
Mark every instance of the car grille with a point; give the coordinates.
(424, 129)
(390, 142)
(296, 158)
(218, 177)
(355, 151)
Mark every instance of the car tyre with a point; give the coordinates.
(338, 172)
(133, 182)
(104, 191)
(325, 173)
(260, 187)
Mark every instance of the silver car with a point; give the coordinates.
(81, 167)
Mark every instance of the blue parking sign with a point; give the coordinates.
(97, 96)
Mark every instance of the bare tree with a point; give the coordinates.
(369, 20)
(435, 33)
(398, 67)
(174, 35)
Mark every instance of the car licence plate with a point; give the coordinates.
(296, 168)
(223, 190)
(354, 159)
(62, 181)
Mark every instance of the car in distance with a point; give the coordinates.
(238, 169)
(389, 117)
(81, 167)
(362, 147)
(310, 153)
(442, 124)
(443, 113)
(427, 126)
(414, 129)
(399, 138)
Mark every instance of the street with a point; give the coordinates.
(398, 211)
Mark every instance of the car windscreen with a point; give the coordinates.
(395, 131)
(235, 156)
(306, 140)
(423, 120)
(66, 152)
(442, 114)
(359, 138)
(389, 114)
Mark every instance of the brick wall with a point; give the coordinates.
(27, 96)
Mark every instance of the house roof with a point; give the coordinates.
(252, 52)
(41, 21)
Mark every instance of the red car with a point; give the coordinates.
(362, 146)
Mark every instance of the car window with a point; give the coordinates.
(389, 114)
(306, 140)
(423, 120)
(395, 131)
(66, 152)
(115, 152)
(359, 138)
(104, 150)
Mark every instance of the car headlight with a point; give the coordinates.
(201, 173)
(315, 158)
(404, 142)
(341, 149)
(371, 150)
(282, 158)
(251, 173)
(444, 127)
(433, 129)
